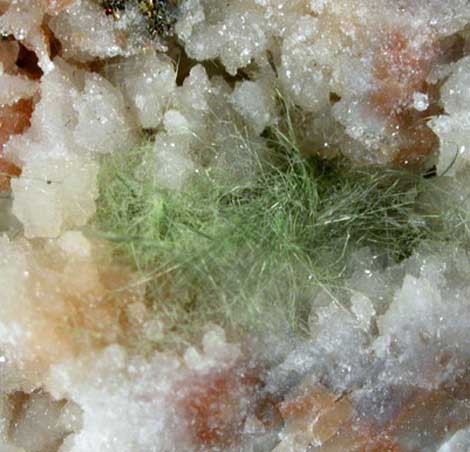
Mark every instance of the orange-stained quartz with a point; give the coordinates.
(418, 143)
(435, 412)
(53, 44)
(7, 171)
(9, 50)
(314, 415)
(400, 70)
(348, 440)
(14, 119)
(70, 322)
(267, 412)
(309, 403)
(216, 405)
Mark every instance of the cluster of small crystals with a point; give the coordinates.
(384, 81)
(364, 73)
(387, 365)
(57, 187)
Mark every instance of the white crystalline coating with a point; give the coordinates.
(427, 318)
(174, 160)
(317, 5)
(370, 59)
(35, 422)
(453, 128)
(363, 309)
(192, 15)
(236, 33)
(85, 32)
(413, 304)
(55, 193)
(75, 243)
(21, 18)
(130, 403)
(70, 418)
(14, 88)
(54, 117)
(173, 163)
(215, 352)
(175, 123)
(57, 188)
(14, 277)
(456, 91)
(426, 312)
(100, 108)
(281, 15)
(366, 128)
(148, 82)
(300, 73)
(255, 103)
(426, 309)
(126, 402)
(233, 32)
(201, 131)
(338, 354)
(196, 90)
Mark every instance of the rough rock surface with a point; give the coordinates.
(385, 363)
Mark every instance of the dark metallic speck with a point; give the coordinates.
(160, 14)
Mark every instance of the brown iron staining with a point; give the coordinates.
(400, 70)
(160, 15)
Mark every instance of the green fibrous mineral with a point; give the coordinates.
(255, 255)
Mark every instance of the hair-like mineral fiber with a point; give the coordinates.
(244, 254)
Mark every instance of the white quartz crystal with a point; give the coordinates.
(55, 193)
(14, 88)
(100, 108)
(233, 32)
(148, 82)
(453, 128)
(255, 103)
(79, 115)
(86, 32)
(201, 130)
(371, 59)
